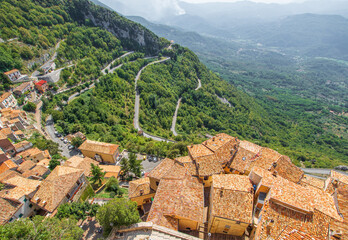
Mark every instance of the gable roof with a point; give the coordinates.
(7, 175)
(339, 176)
(11, 71)
(7, 209)
(232, 197)
(246, 152)
(41, 82)
(161, 169)
(208, 165)
(312, 181)
(288, 170)
(199, 150)
(139, 187)
(21, 87)
(5, 96)
(7, 165)
(38, 171)
(56, 186)
(177, 197)
(110, 170)
(26, 165)
(99, 147)
(23, 187)
(81, 163)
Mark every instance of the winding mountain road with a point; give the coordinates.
(137, 106)
(108, 67)
(175, 116)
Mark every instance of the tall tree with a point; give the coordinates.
(97, 174)
(125, 168)
(116, 213)
(135, 165)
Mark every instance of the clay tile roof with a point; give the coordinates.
(44, 162)
(6, 131)
(5, 96)
(232, 197)
(56, 186)
(7, 165)
(339, 176)
(110, 170)
(246, 152)
(217, 141)
(26, 165)
(199, 150)
(99, 147)
(288, 170)
(81, 163)
(184, 159)
(208, 165)
(19, 181)
(139, 187)
(38, 171)
(161, 169)
(291, 233)
(30, 152)
(22, 86)
(41, 82)
(177, 198)
(267, 158)
(7, 209)
(312, 181)
(21, 144)
(23, 188)
(7, 175)
(11, 71)
(177, 171)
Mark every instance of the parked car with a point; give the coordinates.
(59, 135)
(155, 159)
(62, 138)
(56, 133)
(71, 147)
(149, 158)
(65, 141)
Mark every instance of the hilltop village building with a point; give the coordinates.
(232, 189)
(101, 152)
(7, 100)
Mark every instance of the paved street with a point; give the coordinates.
(175, 117)
(62, 146)
(148, 166)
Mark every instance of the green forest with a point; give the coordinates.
(106, 112)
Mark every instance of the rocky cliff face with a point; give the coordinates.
(133, 35)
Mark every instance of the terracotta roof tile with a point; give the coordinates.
(232, 197)
(7, 209)
(184, 159)
(7, 175)
(290, 233)
(44, 162)
(56, 186)
(288, 170)
(139, 187)
(81, 163)
(199, 150)
(339, 176)
(18, 192)
(5, 96)
(99, 147)
(7, 165)
(38, 171)
(26, 165)
(19, 181)
(312, 181)
(22, 86)
(208, 165)
(161, 169)
(265, 160)
(110, 170)
(177, 198)
(246, 152)
(21, 144)
(11, 71)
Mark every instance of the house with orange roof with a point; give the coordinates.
(111, 171)
(81, 163)
(19, 191)
(3, 156)
(25, 166)
(159, 172)
(231, 204)
(22, 146)
(41, 86)
(7, 100)
(38, 172)
(34, 154)
(63, 184)
(179, 201)
(101, 152)
(7, 165)
(8, 133)
(25, 87)
(13, 75)
(140, 192)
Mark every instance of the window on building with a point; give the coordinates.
(20, 215)
(157, 183)
(206, 178)
(30, 205)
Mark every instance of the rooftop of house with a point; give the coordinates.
(56, 186)
(5, 96)
(18, 192)
(22, 86)
(7, 175)
(44, 162)
(7, 165)
(110, 170)
(307, 180)
(232, 197)
(246, 152)
(288, 170)
(81, 163)
(8, 209)
(99, 147)
(37, 171)
(26, 165)
(161, 169)
(11, 71)
(177, 196)
(341, 198)
(266, 159)
(208, 165)
(199, 150)
(30, 152)
(19, 181)
(291, 233)
(22, 144)
(139, 187)
(40, 83)
(184, 159)
(218, 141)
(339, 176)
(6, 131)
(276, 218)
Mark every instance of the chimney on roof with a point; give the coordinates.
(191, 145)
(222, 192)
(269, 227)
(275, 173)
(213, 139)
